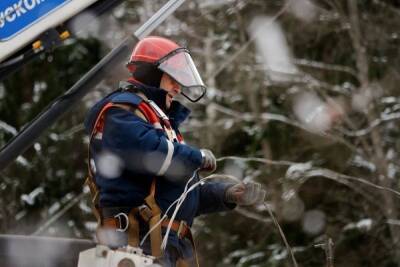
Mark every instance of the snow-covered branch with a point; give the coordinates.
(252, 215)
(245, 46)
(260, 160)
(322, 172)
(266, 117)
(8, 128)
(325, 66)
(373, 124)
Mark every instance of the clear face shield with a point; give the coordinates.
(179, 65)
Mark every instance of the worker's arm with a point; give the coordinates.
(216, 196)
(145, 149)
(212, 198)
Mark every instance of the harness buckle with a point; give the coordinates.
(182, 227)
(145, 212)
(119, 216)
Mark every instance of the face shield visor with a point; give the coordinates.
(179, 65)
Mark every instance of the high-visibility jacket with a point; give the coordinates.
(141, 153)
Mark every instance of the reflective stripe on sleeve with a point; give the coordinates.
(168, 159)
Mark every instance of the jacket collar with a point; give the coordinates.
(155, 94)
(177, 113)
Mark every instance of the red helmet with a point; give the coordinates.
(168, 57)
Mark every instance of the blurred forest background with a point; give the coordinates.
(303, 97)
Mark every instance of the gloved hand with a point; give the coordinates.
(245, 194)
(209, 162)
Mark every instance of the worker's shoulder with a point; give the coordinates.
(126, 97)
(119, 100)
(128, 101)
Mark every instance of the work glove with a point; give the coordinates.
(209, 162)
(245, 194)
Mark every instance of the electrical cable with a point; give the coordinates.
(182, 198)
(281, 233)
(178, 206)
(184, 193)
(179, 201)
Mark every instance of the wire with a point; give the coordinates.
(179, 201)
(178, 206)
(182, 198)
(271, 214)
(282, 234)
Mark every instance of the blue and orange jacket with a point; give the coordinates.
(141, 150)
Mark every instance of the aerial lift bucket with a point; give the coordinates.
(102, 256)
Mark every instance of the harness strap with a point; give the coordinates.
(180, 227)
(129, 223)
(180, 138)
(160, 114)
(94, 192)
(153, 188)
(155, 235)
(150, 115)
(133, 229)
(182, 263)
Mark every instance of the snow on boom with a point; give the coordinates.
(17, 15)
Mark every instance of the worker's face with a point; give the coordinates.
(171, 86)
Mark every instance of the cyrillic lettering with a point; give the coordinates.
(19, 9)
(30, 4)
(9, 14)
(16, 10)
(2, 22)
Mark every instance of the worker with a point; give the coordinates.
(139, 163)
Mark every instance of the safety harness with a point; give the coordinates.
(150, 212)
